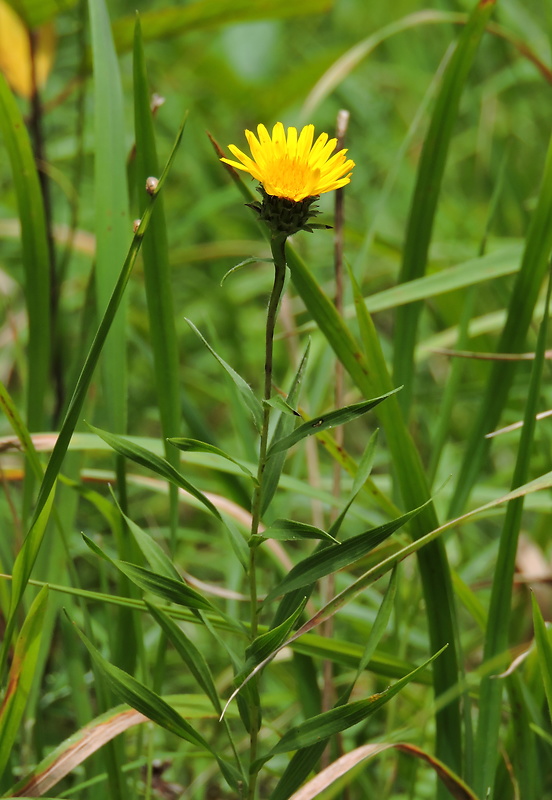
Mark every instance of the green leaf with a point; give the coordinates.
(193, 445)
(35, 252)
(189, 653)
(284, 426)
(112, 221)
(523, 298)
(144, 700)
(28, 553)
(126, 447)
(243, 388)
(287, 530)
(498, 622)
(268, 642)
(157, 272)
(21, 676)
(361, 476)
(544, 651)
(338, 719)
(330, 420)
(428, 185)
(338, 556)
(172, 589)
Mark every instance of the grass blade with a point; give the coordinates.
(35, 252)
(22, 672)
(520, 312)
(496, 636)
(428, 185)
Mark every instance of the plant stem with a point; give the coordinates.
(278, 245)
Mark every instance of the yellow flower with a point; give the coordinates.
(293, 168)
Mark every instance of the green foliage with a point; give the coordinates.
(221, 533)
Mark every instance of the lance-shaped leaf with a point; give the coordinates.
(338, 719)
(189, 653)
(242, 386)
(151, 705)
(162, 467)
(172, 589)
(338, 556)
(287, 530)
(195, 446)
(330, 420)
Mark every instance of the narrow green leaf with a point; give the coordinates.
(268, 642)
(172, 589)
(338, 719)
(35, 252)
(338, 556)
(21, 675)
(28, 553)
(525, 291)
(193, 445)
(243, 388)
(544, 651)
(284, 426)
(189, 653)
(428, 185)
(497, 631)
(112, 223)
(162, 467)
(144, 700)
(339, 417)
(157, 272)
(287, 530)
(152, 552)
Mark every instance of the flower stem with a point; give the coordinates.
(278, 244)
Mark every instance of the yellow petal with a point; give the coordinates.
(15, 52)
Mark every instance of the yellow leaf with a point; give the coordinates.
(15, 51)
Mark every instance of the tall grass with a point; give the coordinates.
(167, 519)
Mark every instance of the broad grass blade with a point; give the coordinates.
(427, 190)
(113, 230)
(35, 252)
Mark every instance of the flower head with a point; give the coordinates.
(293, 167)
